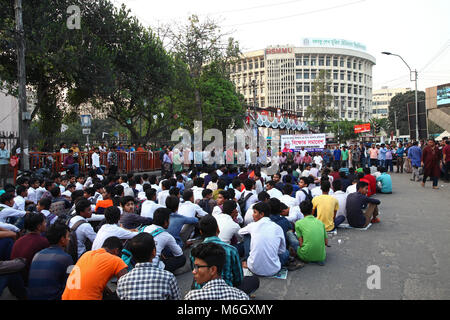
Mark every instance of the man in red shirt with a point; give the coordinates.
(31, 243)
(370, 179)
(446, 160)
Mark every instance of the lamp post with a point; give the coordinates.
(415, 80)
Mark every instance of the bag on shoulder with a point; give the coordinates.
(243, 201)
(72, 245)
(308, 195)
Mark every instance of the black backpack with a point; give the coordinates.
(72, 246)
(204, 204)
(308, 195)
(243, 201)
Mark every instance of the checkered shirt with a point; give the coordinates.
(146, 282)
(216, 289)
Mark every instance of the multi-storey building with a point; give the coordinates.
(281, 79)
(381, 100)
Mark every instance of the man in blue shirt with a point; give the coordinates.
(386, 181)
(48, 271)
(382, 155)
(400, 152)
(232, 272)
(337, 158)
(415, 155)
(177, 221)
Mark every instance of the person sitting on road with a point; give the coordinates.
(325, 207)
(385, 181)
(361, 209)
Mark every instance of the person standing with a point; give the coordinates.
(344, 154)
(112, 160)
(388, 158)
(337, 157)
(4, 162)
(356, 156)
(446, 160)
(415, 155)
(400, 151)
(373, 153)
(431, 158)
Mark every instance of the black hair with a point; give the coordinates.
(33, 220)
(97, 186)
(367, 170)
(342, 174)
(337, 185)
(152, 179)
(55, 192)
(187, 194)
(262, 207)
(125, 200)
(141, 247)
(224, 194)
(55, 232)
(76, 195)
(20, 189)
(166, 184)
(45, 203)
(160, 216)
(208, 226)
(271, 183)
(360, 175)
(306, 207)
(174, 191)
(112, 215)
(325, 185)
(150, 193)
(287, 189)
(172, 203)
(361, 184)
(236, 183)
(124, 178)
(199, 182)
(275, 207)
(305, 180)
(229, 206)
(132, 182)
(113, 243)
(248, 184)
(82, 205)
(145, 176)
(263, 195)
(205, 192)
(221, 184)
(118, 190)
(212, 253)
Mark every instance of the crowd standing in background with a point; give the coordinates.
(66, 236)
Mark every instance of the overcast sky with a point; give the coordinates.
(418, 30)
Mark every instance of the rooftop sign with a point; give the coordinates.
(334, 43)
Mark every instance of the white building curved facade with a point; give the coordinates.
(284, 78)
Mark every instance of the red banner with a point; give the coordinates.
(362, 128)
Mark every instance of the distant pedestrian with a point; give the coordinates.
(431, 158)
(4, 162)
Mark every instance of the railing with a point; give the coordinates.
(127, 162)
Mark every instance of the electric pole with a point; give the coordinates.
(24, 115)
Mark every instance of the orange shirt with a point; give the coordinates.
(104, 204)
(90, 275)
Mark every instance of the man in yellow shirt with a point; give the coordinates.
(326, 206)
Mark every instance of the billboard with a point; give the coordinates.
(311, 142)
(443, 95)
(359, 128)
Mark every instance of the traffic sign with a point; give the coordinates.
(87, 131)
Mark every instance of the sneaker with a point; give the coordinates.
(295, 265)
(375, 220)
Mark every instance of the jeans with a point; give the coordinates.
(388, 164)
(338, 220)
(435, 180)
(373, 162)
(15, 284)
(400, 164)
(6, 245)
(284, 257)
(382, 162)
(75, 167)
(415, 172)
(292, 240)
(174, 263)
(446, 169)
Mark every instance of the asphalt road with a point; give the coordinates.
(410, 246)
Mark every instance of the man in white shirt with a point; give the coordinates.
(306, 172)
(227, 226)
(84, 231)
(80, 182)
(249, 194)
(111, 228)
(149, 206)
(267, 244)
(262, 197)
(19, 200)
(198, 188)
(341, 197)
(162, 196)
(272, 191)
(314, 171)
(63, 149)
(301, 195)
(188, 208)
(248, 153)
(164, 242)
(96, 162)
(236, 184)
(34, 184)
(303, 152)
(6, 208)
(287, 199)
(318, 161)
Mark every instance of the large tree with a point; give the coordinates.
(398, 105)
(320, 111)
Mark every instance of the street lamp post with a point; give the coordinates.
(415, 80)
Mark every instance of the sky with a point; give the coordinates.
(417, 30)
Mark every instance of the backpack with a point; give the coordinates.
(127, 256)
(72, 246)
(308, 195)
(49, 219)
(58, 208)
(243, 201)
(204, 204)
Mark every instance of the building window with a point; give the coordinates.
(354, 64)
(349, 76)
(328, 61)
(349, 89)
(298, 62)
(349, 64)
(335, 75)
(321, 61)
(313, 74)
(350, 103)
(313, 61)
(298, 75)
(342, 75)
(306, 61)
(250, 65)
(306, 74)
(342, 88)
(307, 88)
(341, 62)
(335, 88)
(299, 102)
(355, 90)
(359, 65)
(299, 87)
(307, 101)
(360, 77)
(335, 62)
(261, 64)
